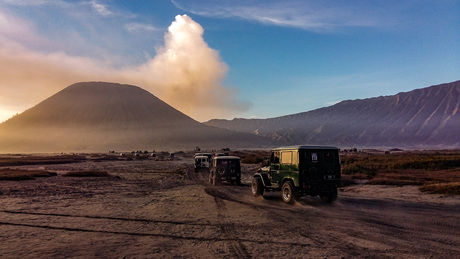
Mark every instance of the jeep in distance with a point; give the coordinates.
(225, 169)
(201, 163)
(298, 171)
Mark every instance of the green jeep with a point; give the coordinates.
(300, 170)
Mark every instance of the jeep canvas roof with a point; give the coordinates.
(304, 147)
(226, 157)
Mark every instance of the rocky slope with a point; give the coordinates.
(422, 118)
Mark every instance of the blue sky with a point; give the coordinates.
(226, 59)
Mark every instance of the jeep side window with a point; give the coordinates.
(275, 160)
(286, 158)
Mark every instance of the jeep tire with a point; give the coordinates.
(256, 187)
(329, 197)
(288, 192)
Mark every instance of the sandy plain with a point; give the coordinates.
(163, 209)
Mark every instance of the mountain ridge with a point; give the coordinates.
(426, 117)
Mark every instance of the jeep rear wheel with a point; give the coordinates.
(256, 187)
(329, 197)
(288, 192)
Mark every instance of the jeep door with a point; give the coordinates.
(274, 173)
(289, 168)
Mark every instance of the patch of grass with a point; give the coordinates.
(100, 158)
(252, 156)
(252, 159)
(87, 173)
(346, 181)
(8, 174)
(452, 188)
(372, 163)
(403, 168)
(20, 160)
(358, 176)
(394, 181)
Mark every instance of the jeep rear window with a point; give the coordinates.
(329, 157)
(221, 162)
(230, 162)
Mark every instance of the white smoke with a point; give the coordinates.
(188, 74)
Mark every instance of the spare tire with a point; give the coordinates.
(220, 169)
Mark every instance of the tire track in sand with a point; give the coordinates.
(237, 249)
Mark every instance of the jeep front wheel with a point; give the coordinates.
(256, 187)
(288, 192)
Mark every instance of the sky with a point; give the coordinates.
(228, 59)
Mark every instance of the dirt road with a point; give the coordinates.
(164, 209)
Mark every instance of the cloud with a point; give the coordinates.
(30, 2)
(14, 29)
(27, 77)
(186, 73)
(139, 27)
(308, 15)
(100, 8)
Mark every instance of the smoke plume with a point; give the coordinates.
(188, 74)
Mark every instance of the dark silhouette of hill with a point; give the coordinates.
(99, 116)
(422, 118)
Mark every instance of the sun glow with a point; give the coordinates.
(6, 114)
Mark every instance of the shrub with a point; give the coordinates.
(252, 159)
(442, 188)
(8, 174)
(252, 156)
